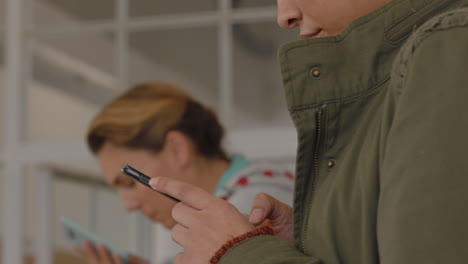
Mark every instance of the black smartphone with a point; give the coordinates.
(142, 178)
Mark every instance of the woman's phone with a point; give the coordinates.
(76, 234)
(143, 179)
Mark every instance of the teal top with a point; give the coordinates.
(238, 162)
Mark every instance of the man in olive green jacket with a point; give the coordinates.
(382, 165)
(382, 172)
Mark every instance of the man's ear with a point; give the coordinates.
(179, 148)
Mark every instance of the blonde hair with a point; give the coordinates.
(141, 117)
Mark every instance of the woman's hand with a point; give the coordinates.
(205, 222)
(279, 214)
(100, 255)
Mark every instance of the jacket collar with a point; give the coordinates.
(357, 60)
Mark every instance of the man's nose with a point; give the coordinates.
(289, 15)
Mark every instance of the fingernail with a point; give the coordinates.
(256, 215)
(154, 182)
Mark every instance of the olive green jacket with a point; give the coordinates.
(382, 164)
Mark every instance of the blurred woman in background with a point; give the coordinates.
(162, 131)
(372, 88)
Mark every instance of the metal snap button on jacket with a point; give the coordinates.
(315, 73)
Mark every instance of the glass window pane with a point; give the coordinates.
(2, 14)
(112, 216)
(72, 78)
(258, 92)
(2, 175)
(52, 12)
(65, 193)
(2, 110)
(185, 57)
(2, 69)
(141, 8)
(101, 212)
(30, 210)
(97, 209)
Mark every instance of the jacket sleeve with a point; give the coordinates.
(266, 250)
(423, 213)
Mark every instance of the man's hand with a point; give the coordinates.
(204, 222)
(279, 215)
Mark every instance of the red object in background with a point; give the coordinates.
(243, 181)
(289, 175)
(268, 174)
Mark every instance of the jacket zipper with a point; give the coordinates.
(318, 141)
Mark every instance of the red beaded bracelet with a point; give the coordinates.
(262, 230)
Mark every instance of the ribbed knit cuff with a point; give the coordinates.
(261, 230)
